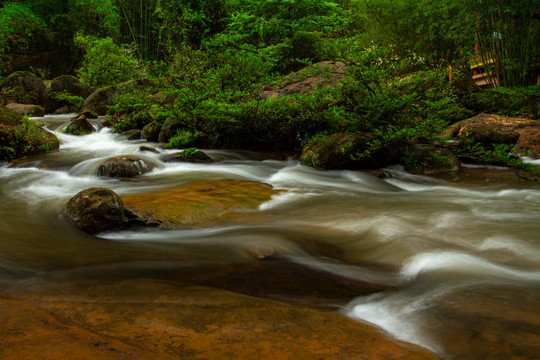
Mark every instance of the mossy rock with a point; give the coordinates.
(27, 109)
(339, 151)
(23, 87)
(79, 126)
(20, 136)
(65, 83)
(103, 97)
(188, 155)
(151, 131)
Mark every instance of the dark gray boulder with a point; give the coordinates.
(95, 210)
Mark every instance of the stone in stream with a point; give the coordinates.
(95, 210)
(151, 131)
(188, 155)
(124, 167)
(79, 126)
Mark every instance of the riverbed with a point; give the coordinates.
(457, 263)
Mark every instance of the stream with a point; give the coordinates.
(461, 261)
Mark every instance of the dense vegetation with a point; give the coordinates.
(408, 65)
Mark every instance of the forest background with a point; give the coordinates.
(408, 68)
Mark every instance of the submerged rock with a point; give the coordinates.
(79, 126)
(146, 318)
(124, 167)
(198, 202)
(95, 210)
(188, 155)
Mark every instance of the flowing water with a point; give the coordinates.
(462, 263)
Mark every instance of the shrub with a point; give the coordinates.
(106, 63)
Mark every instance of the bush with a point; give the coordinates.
(523, 101)
(106, 63)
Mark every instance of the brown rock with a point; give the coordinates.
(152, 319)
(305, 81)
(124, 167)
(95, 210)
(28, 109)
(198, 202)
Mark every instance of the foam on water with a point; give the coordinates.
(463, 264)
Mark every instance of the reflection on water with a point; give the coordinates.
(463, 262)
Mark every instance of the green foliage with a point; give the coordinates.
(523, 101)
(182, 140)
(106, 63)
(69, 99)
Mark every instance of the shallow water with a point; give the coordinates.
(462, 262)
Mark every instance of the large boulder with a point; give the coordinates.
(169, 128)
(434, 160)
(339, 151)
(104, 97)
(124, 167)
(23, 87)
(487, 130)
(68, 84)
(151, 131)
(79, 126)
(95, 210)
(28, 109)
(307, 80)
(20, 137)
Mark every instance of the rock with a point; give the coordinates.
(68, 109)
(486, 130)
(529, 139)
(95, 210)
(433, 160)
(197, 202)
(379, 173)
(79, 126)
(104, 97)
(147, 318)
(148, 149)
(188, 155)
(133, 134)
(305, 81)
(90, 114)
(68, 84)
(23, 87)
(151, 131)
(335, 151)
(124, 167)
(28, 109)
(169, 129)
(20, 137)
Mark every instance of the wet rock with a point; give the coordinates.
(305, 81)
(64, 84)
(65, 110)
(188, 155)
(133, 134)
(198, 202)
(28, 109)
(149, 149)
(23, 87)
(95, 210)
(90, 114)
(124, 167)
(140, 319)
(151, 131)
(433, 160)
(79, 126)
(335, 152)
